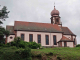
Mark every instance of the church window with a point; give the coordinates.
(22, 37)
(30, 37)
(74, 41)
(54, 40)
(39, 38)
(47, 39)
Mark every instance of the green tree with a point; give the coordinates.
(3, 16)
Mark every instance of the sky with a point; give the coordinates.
(39, 11)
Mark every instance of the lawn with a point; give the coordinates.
(64, 53)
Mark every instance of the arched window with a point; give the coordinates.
(39, 38)
(54, 40)
(74, 42)
(22, 37)
(30, 37)
(47, 39)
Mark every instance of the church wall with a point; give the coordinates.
(9, 39)
(62, 44)
(70, 44)
(58, 37)
(43, 42)
(74, 37)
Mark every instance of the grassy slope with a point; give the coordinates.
(64, 53)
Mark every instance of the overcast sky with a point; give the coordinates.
(39, 11)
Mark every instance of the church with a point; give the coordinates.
(47, 34)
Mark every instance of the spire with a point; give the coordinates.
(54, 4)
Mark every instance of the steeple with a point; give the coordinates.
(55, 12)
(55, 18)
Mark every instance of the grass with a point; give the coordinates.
(64, 53)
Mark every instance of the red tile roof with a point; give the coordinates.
(34, 26)
(67, 31)
(10, 28)
(65, 39)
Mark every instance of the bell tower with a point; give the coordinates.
(55, 18)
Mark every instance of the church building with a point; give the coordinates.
(47, 34)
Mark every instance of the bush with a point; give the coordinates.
(33, 45)
(78, 45)
(19, 54)
(22, 44)
(1, 44)
(24, 54)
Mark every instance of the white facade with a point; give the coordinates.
(43, 42)
(43, 39)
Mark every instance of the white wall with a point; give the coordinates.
(43, 42)
(70, 44)
(62, 44)
(9, 40)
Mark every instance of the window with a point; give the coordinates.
(39, 38)
(11, 37)
(57, 20)
(54, 40)
(22, 37)
(30, 37)
(65, 45)
(47, 39)
(74, 42)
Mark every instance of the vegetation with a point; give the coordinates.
(60, 53)
(17, 50)
(13, 53)
(3, 16)
(56, 53)
(78, 45)
(22, 44)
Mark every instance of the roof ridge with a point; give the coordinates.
(34, 22)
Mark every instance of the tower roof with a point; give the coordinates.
(54, 12)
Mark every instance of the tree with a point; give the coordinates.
(3, 16)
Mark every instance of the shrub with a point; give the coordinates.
(22, 44)
(78, 45)
(1, 44)
(19, 54)
(24, 54)
(33, 45)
